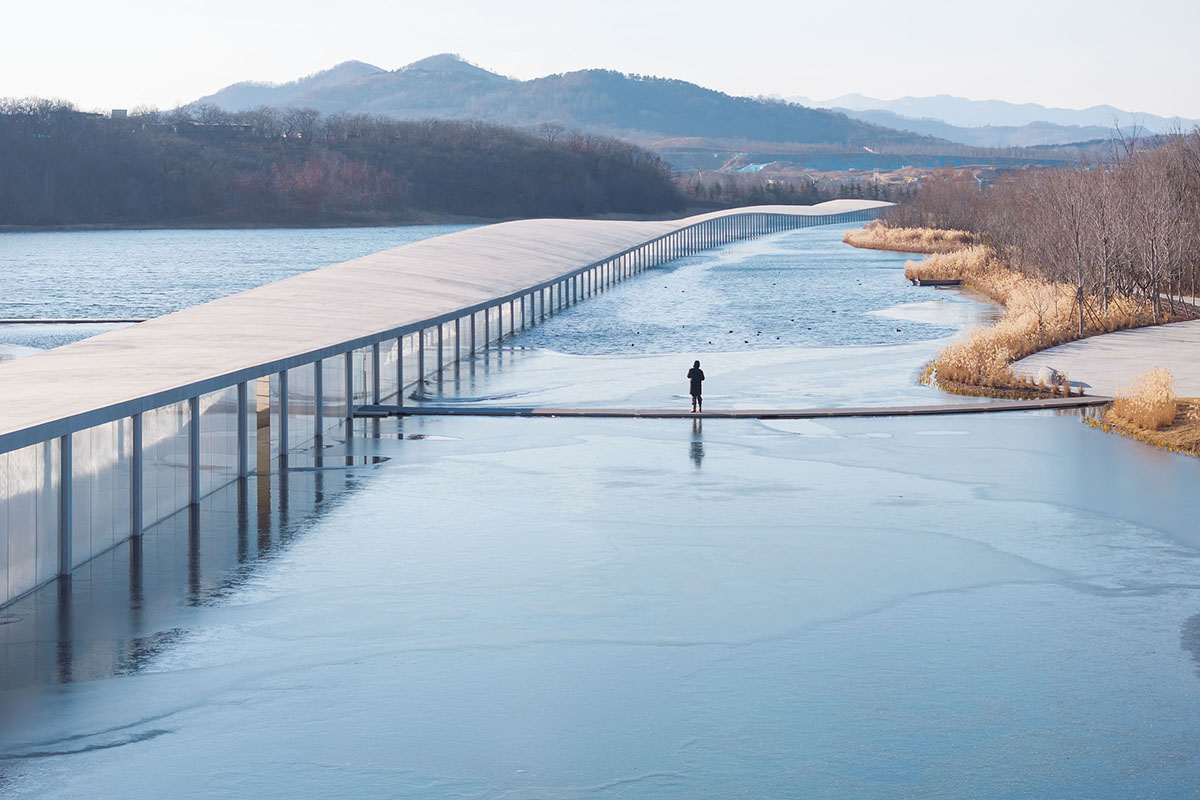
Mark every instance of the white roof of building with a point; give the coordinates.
(218, 343)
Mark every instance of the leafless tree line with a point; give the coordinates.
(1125, 226)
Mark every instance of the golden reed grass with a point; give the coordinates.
(878, 236)
(1038, 314)
(1149, 404)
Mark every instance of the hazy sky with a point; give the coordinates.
(124, 53)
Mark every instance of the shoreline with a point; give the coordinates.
(1182, 436)
(424, 220)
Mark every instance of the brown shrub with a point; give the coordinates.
(1149, 404)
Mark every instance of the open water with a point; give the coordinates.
(987, 606)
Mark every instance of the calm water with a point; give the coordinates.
(991, 606)
(138, 274)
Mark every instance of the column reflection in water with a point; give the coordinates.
(165, 461)
(100, 475)
(387, 371)
(333, 387)
(409, 343)
(18, 520)
(121, 610)
(218, 439)
(364, 379)
(449, 345)
(273, 422)
(5, 593)
(431, 352)
(361, 360)
(28, 518)
(302, 408)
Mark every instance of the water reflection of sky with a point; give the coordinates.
(971, 606)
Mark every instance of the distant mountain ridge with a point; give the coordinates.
(603, 101)
(1031, 135)
(963, 112)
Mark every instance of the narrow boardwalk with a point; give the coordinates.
(984, 407)
(1107, 362)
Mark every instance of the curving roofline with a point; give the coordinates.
(319, 314)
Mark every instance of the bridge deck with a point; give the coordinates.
(308, 316)
(985, 407)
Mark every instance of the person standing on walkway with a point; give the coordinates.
(696, 376)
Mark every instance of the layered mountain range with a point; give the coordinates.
(996, 123)
(656, 111)
(635, 107)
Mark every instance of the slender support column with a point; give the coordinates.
(512, 318)
(400, 370)
(319, 396)
(457, 340)
(243, 430)
(524, 316)
(472, 333)
(349, 370)
(135, 478)
(441, 359)
(285, 411)
(65, 502)
(193, 450)
(376, 383)
(487, 331)
(421, 358)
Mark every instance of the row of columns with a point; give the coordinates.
(534, 306)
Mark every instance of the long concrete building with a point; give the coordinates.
(104, 437)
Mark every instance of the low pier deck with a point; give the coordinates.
(936, 281)
(105, 437)
(986, 407)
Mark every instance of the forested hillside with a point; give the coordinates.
(59, 166)
(633, 106)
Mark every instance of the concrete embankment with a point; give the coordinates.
(1107, 362)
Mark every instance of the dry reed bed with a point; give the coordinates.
(879, 236)
(1149, 404)
(1038, 314)
(1181, 436)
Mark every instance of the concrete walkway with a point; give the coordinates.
(1102, 364)
(989, 406)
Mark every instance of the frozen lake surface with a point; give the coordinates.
(991, 606)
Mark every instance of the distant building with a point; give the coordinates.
(119, 113)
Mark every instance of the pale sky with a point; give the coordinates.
(124, 53)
